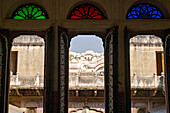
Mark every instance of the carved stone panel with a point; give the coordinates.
(63, 69)
(111, 71)
(168, 66)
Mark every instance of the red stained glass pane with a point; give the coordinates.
(98, 16)
(91, 10)
(75, 17)
(81, 10)
(78, 13)
(95, 13)
(86, 11)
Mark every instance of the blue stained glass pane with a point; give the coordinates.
(149, 9)
(158, 17)
(135, 16)
(133, 12)
(159, 13)
(154, 8)
(137, 8)
(153, 16)
(144, 7)
(144, 11)
(133, 9)
(140, 5)
(154, 12)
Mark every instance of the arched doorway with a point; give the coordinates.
(86, 73)
(147, 72)
(111, 70)
(27, 67)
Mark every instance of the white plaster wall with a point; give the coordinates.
(30, 60)
(143, 59)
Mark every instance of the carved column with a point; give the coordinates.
(167, 71)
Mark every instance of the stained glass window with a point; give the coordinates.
(29, 11)
(144, 11)
(86, 11)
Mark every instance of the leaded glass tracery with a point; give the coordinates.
(30, 11)
(86, 11)
(144, 11)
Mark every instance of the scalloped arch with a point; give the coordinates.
(86, 11)
(29, 11)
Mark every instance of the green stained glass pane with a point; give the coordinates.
(30, 11)
(25, 11)
(18, 17)
(39, 13)
(40, 17)
(21, 13)
(34, 11)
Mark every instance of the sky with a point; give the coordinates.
(82, 43)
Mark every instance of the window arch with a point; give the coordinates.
(144, 11)
(86, 11)
(30, 11)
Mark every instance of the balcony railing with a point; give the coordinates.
(87, 80)
(150, 82)
(21, 81)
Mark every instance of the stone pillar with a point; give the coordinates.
(38, 79)
(52, 91)
(124, 57)
(163, 80)
(77, 79)
(17, 79)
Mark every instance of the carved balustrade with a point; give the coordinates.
(87, 80)
(23, 81)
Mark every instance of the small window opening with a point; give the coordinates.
(13, 62)
(160, 62)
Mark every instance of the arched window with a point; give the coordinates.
(86, 11)
(144, 11)
(30, 11)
